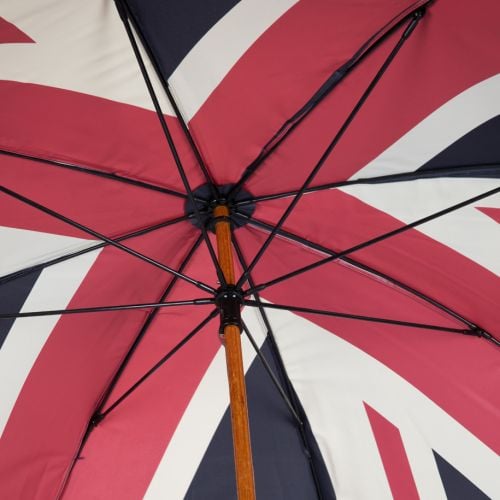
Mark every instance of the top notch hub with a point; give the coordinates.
(205, 204)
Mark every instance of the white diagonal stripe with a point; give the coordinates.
(79, 46)
(333, 378)
(208, 62)
(53, 289)
(22, 248)
(467, 230)
(439, 130)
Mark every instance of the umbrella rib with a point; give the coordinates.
(474, 331)
(95, 172)
(358, 317)
(315, 246)
(288, 391)
(143, 331)
(122, 9)
(291, 123)
(485, 169)
(370, 242)
(38, 267)
(100, 416)
(129, 16)
(488, 336)
(272, 376)
(110, 241)
(326, 154)
(98, 309)
(266, 365)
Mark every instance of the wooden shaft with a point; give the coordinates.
(236, 377)
(239, 414)
(224, 245)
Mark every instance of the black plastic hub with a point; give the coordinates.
(205, 204)
(229, 300)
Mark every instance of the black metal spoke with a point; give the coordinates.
(290, 125)
(373, 241)
(358, 265)
(407, 32)
(98, 173)
(358, 317)
(483, 169)
(144, 330)
(77, 253)
(112, 242)
(473, 331)
(122, 9)
(98, 309)
(98, 417)
(173, 102)
(271, 374)
(488, 336)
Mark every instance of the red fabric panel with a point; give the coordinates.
(494, 213)
(105, 135)
(75, 365)
(393, 455)
(9, 33)
(447, 367)
(338, 287)
(107, 206)
(136, 434)
(278, 75)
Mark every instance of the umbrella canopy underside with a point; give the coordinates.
(357, 147)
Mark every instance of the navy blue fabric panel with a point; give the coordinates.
(481, 146)
(456, 485)
(13, 295)
(171, 28)
(281, 465)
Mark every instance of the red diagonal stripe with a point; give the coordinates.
(9, 33)
(494, 213)
(146, 422)
(393, 455)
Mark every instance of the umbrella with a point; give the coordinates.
(316, 180)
